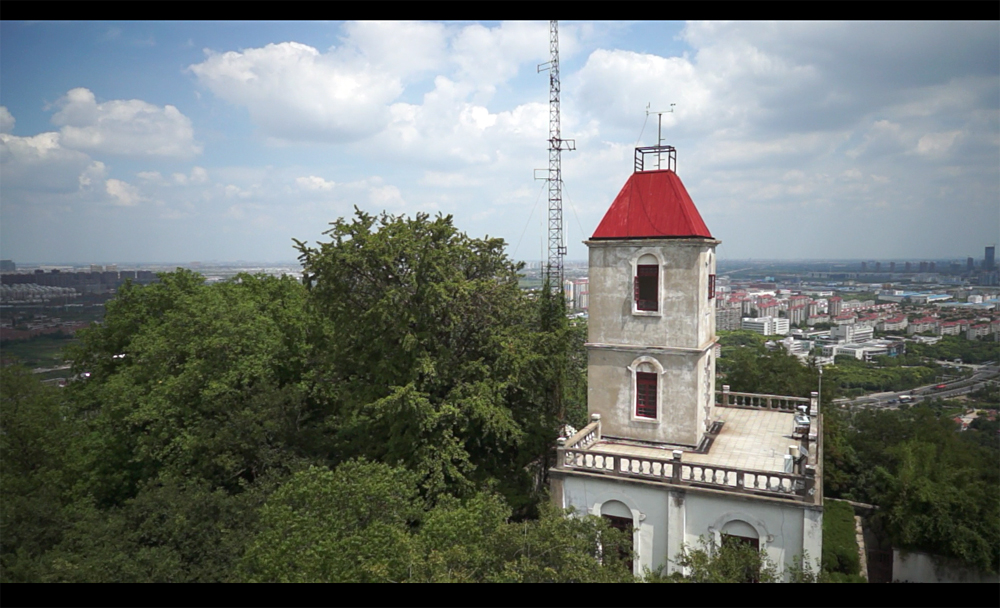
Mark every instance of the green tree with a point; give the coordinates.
(192, 380)
(35, 442)
(435, 351)
(366, 522)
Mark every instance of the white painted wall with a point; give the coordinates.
(665, 518)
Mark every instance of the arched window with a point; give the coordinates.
(646, 284)
(646, 389)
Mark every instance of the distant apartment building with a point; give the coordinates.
(766, 308)
(897, 323)
(766, 326)
(577, 293)
(922, 325)
(977, 331)
(952, 328)
(816, 319)
(797, 314)
(727, 319)
(843, 319)
(8, 266)
(989, 261)
(834, 306)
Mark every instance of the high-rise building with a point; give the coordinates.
(970, 264)
(932, 267)
(665, 456)
(907, 267)
(892, 266)
(989, 262)
(8, 266)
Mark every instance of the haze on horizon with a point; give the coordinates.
(162, 142)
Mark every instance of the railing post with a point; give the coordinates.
(560, 453)
(597, 418)
(675, 466)
(810, 487)
(814, 403)
(725, 395)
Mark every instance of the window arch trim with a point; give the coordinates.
(659, 282)
(642, 365)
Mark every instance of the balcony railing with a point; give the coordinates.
(575, 454)
(759, 401)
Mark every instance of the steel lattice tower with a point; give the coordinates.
(557, 245)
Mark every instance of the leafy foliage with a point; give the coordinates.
(366, 522)
(840, 547)
(958, 347)
(436, 351)
(936, 488)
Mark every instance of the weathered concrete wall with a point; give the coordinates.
(678, 336)
(685, 317)
(610, 393)
(918, 567)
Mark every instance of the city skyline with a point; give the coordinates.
(222, 142)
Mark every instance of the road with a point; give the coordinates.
(984, 375)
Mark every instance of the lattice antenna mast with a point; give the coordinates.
(557, 242)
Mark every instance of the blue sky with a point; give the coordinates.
(174, 142)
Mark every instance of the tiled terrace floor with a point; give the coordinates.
(750, 439)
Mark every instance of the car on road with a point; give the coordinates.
(940, 387)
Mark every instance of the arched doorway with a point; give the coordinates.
(619, 516)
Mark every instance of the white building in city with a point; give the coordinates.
(766, 326)
(852, 333)
(665, 454)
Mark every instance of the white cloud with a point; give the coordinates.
(487, 57)
(294, 92)
(123, 193)
(314, 183)
(6, 120)
(199, 175)
(937, 143)
(40, 163)
(126, 127)
(150, 176)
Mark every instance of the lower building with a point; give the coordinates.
(727, 319)
(756, 480)
(766, 326)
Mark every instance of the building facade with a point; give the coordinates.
(666, 453)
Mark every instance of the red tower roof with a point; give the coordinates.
(652, 204)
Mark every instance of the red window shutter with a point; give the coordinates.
(711, 286)
(645, 395)
(647, 288)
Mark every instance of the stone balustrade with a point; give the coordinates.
(586, 436)
(759, 401)
(674, 471)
